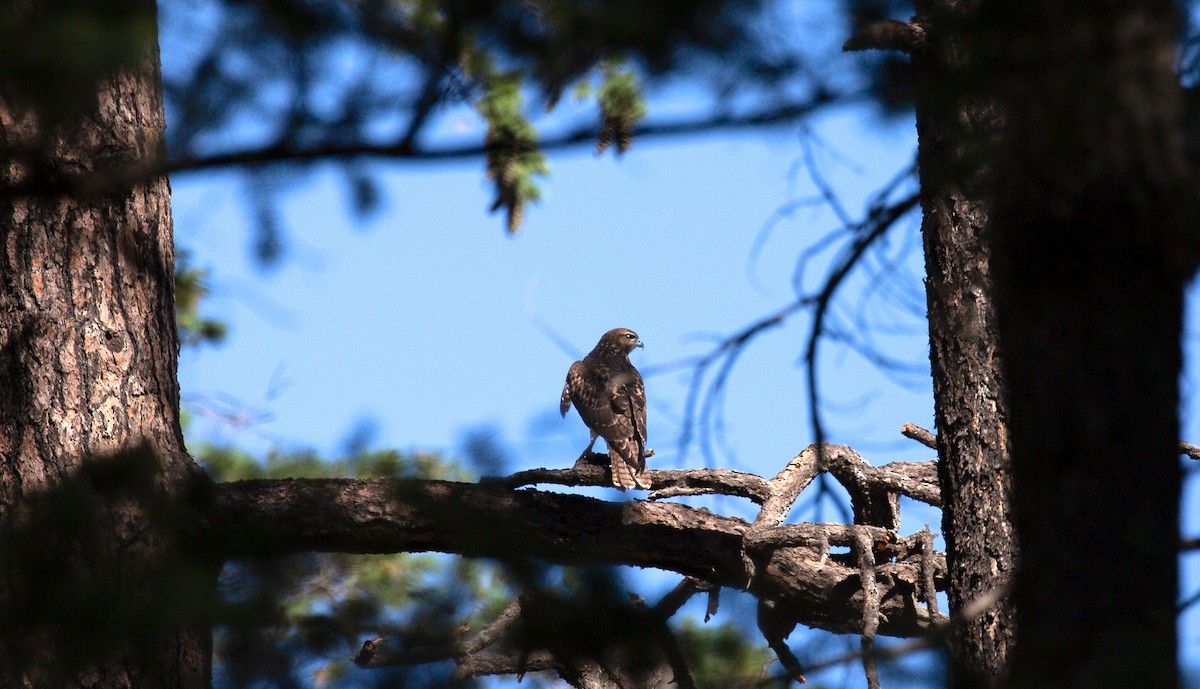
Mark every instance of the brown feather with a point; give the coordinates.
(610, 397)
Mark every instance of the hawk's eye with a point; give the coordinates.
(628, 336)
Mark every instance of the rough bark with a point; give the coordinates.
(791, 566)
(969, 411)
(1091, 245)
(88, 350)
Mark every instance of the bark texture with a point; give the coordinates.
(1092, 244)
(972, 435)
(789, 564)
(88, 351)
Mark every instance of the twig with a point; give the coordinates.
(863, 550)
(926, 438)
(929, 440)
(889, 34)
(968, 612)
(870, 666)
(674, 600)
(928, 591)
(288, 152)
(666, 483)
(792, 535)
(374, 652)
(876, 225)
(490, 633)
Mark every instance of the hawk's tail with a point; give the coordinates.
(628, 469)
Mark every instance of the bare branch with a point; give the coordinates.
(285, 152)
(489, 634)
(786, 486)
(666, 483)
(725, 352)
(493, 663)
(265, 518)
(870, 666)
(820, 535)
(889, 34)
(928, 590)
(864, 552)
(875, 226)
(674, 600)
(926, 438)
(933, 638)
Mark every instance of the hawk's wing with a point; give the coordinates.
(613, 405)
(574, 382)
(626, 432)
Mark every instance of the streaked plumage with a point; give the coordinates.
(609, 395)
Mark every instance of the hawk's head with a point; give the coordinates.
(621, 340)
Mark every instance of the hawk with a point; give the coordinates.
(608, 393)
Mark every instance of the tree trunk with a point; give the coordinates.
(969, 412)
(1091, 248)
(88, 351)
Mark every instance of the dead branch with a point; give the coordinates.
(879, 220)
(929, 440)
(666, 483)
(788, 567)
(933, 638)
(674, 600)
(264, 518)
(375, 653)
(577, 666)
(786, 486)
(285, 152)
(928, 590)
(889, 34)
(910, 430)
(819, 535)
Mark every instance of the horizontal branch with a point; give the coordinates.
(889, 34)
(664, 483)
(264, 518)
(925, 437)
(100, 182)
(928, 439)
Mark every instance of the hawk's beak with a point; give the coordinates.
(638, 344)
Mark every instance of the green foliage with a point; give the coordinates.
(300, 620)
(622, 106)
(513, 157)
(427, 58)
(722, 655)
(191, 287)
(225, 463)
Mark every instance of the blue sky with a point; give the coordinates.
(421, 323)
(424, 319)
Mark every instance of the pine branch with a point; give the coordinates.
(264, 518)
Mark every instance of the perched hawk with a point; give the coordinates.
(608, 393)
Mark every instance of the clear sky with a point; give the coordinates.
(424, 319)
(421, 323)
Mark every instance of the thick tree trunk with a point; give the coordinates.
(1091, 249)
(88, 351)
(969, 410)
